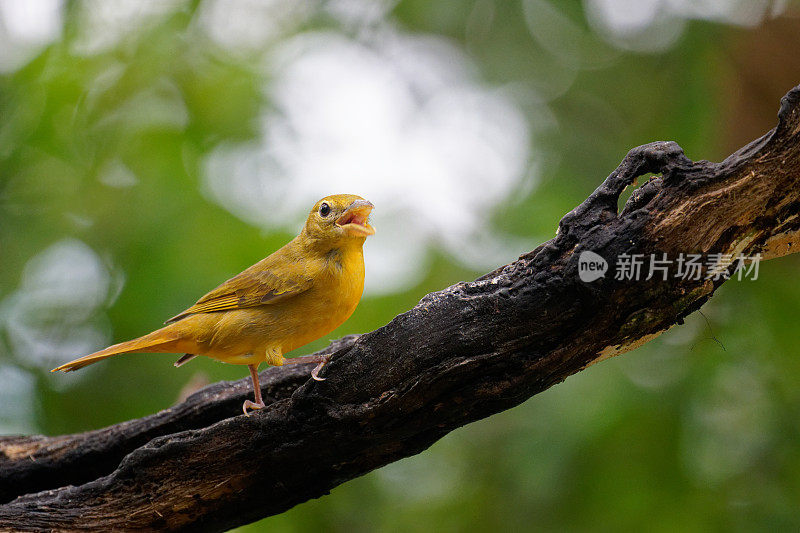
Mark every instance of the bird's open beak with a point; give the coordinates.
(354, 221)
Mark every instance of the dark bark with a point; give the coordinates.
(460, 355)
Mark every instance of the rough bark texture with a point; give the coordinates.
(461, 354)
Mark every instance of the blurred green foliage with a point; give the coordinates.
(696, 431)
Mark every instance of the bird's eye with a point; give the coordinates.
(324, 209)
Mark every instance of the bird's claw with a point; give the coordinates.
(252, 405)
(320, 365)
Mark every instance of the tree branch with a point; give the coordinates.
(461, 354)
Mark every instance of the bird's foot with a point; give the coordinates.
(322, 363)
(252, 405)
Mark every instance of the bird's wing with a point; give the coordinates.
(269, 281)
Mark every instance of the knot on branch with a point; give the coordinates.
(660, 157)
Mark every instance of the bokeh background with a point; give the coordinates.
(149, 150)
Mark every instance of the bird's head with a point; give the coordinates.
(340, 218)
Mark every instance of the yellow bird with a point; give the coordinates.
(299, 293)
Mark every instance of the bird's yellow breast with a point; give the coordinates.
(249, 335)
(330, 301)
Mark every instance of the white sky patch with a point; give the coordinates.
(106, 22)
(53, 315)
(359, 13)
(251, 24)
(25, 27)
(654, 25)
(399, 120)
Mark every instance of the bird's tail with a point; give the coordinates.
(159, 341)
